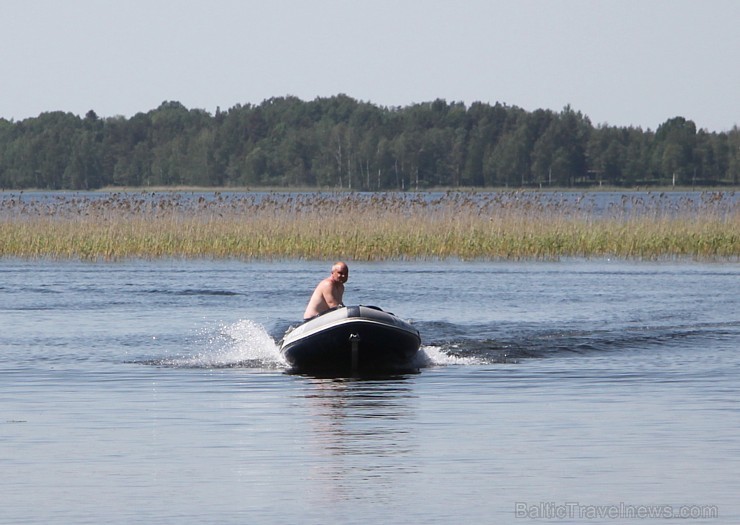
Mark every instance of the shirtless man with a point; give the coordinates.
(329, 292)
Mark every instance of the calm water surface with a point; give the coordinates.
(153, 392)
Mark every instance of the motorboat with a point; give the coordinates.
(353, 339)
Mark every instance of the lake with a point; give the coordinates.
(575, 391)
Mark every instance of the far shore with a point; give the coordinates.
(459, 189)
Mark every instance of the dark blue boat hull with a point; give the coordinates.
(358, 339)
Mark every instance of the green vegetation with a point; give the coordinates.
(376, 226)
(339, 142)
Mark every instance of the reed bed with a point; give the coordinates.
(367, 227)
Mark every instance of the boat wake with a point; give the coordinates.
(430, 356)
(248, 344)
(243, 344)
(498, 344)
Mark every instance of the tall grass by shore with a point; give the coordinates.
(387, 226)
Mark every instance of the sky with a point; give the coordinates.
(619, 62)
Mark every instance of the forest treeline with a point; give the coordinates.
(340, 142)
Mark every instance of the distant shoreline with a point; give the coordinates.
(461, 190)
